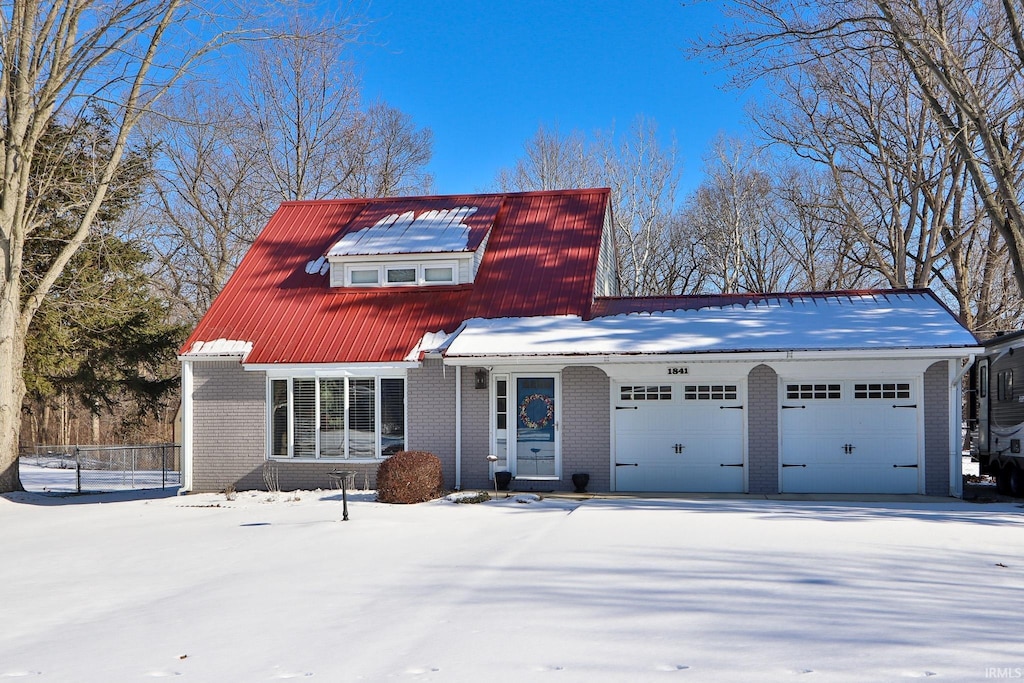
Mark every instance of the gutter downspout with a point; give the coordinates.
(458, 427)
(186, 426)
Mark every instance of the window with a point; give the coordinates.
(813, 391)
(709, 392)
(646, 393)
(439, 274)
(401, 276)
(1004, 385)
(882, 390)
(401, 273)
(336, 417)
(364, 276)
(500, 445)
(983, 382)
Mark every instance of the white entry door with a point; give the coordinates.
(850, 436)
(679, 437)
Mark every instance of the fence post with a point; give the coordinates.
(163, 466)
(78, 469)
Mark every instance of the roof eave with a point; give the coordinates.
(937, 353)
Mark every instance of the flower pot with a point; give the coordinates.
(580, 481)
(503, 479)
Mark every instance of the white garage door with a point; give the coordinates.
(679, 437)
(850, 437)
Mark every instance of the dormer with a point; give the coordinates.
(413, 243)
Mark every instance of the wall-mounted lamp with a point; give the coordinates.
(481, 379)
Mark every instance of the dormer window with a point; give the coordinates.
(402, 243)
(401, 274)
(364, 276)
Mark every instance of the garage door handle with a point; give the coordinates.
(785, 465)
(739, 464)
(627, 464)
(900, 466)
(785, 407)
(912, 405)
(626, 407)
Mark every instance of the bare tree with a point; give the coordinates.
(552, 161)
(388, 154)
(962, 58)
(303, 98)
(295, 130)
(643, 176)
(205, 207)
(58, 61)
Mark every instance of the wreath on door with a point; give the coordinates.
(526, 407)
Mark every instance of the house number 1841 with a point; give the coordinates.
(678, 371)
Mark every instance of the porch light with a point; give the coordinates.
(481, 378)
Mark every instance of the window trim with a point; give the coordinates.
(384, 268)
(317, 378)
(349, 269)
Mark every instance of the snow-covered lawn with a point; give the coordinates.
(120, 587)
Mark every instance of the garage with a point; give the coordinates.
(850, 436)
(685, 436)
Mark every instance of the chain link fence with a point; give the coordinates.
(77, 469)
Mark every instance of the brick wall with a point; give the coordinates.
(431, 409)
(936, 429)
(476, 433)
(229, 426)
(763, 430)
(586, 429)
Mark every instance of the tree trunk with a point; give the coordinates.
(12, 393)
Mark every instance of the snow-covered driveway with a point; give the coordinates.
(259, 588)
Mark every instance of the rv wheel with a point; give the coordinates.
(1003, 484)
(1016, 477)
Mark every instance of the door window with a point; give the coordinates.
(535, 427)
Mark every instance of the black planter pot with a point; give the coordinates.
(580, 481)
(503, 479)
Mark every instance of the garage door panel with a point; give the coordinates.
(849, 478)
(675, 444)
(862, 438)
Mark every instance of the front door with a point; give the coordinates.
(535, 444)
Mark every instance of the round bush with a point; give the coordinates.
(409, 477)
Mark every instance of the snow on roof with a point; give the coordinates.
(220, 347)
(441, 230)
(430, 342)
(890, 321)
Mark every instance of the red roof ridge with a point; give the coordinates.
(432, 197)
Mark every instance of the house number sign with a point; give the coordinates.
(678, 371)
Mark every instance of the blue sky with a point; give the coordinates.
(483, 75)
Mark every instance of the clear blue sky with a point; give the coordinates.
(484, 74)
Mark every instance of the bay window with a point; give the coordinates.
(355, 418)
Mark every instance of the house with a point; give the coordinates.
(491, 324)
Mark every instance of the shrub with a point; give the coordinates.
(409, 477)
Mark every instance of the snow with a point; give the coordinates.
(128, 586)
(221, 347)
(432, 231)
(894, 321)
(318, 266)
(431, 342)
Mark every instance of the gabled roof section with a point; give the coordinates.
(418, 226)
(279, 308)
(543, 260)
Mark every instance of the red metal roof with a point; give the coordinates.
(540, 259)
